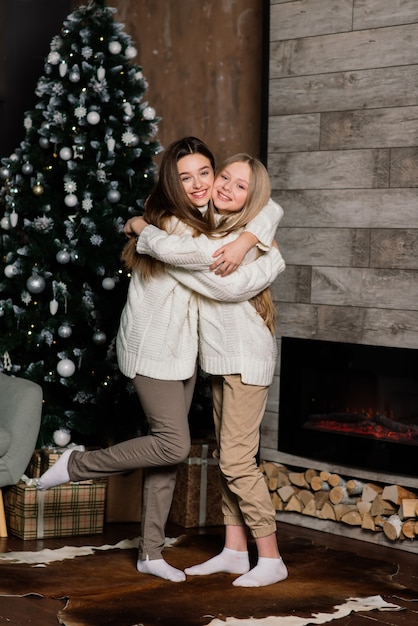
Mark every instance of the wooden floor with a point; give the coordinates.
(44, 614)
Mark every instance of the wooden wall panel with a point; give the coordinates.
(329, 169)
(378, 13)
(380, 47)
(386, 208)
(394, 248)
(349, 233)
(291, 133)
(404, 167)
(306, 18)
(345, 91)
(377, 128)
(304, 246)
(347, 286)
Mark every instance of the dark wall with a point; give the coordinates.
(26, 29)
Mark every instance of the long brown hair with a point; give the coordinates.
(168, 199)
(259, 192)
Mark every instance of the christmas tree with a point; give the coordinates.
(84, 167)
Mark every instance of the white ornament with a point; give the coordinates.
(101, 73)
(61, 437)
(113, 195)
(99, 337)
(13, 217)
(74, 76)
(80, 112)
(54, 57)
(115, 47)
(108, 283)
(66, 153)
(63, 257)
(5, 222)
(35, 284)
(10, 271)
(27, 168)
(63, 69)
(65, 331)
(93, 117)
(66, 368)
(53, 307)
(148, 113)
(71, 200)
(111, 144)
(131, 52)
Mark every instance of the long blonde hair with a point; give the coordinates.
(168, 199)
(259, 192)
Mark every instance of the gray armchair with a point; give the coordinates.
(20, 420)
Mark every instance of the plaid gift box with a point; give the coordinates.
(67, 510)
(34, 468)
(197, 496)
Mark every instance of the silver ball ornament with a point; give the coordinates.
(44, 142)
(114, 47)
(61, 437)
(54, 57)
(27, 168)
(66, 368)
(93, 117)
(10, 271)
(113, 195)
(4, 173)
(74, 76)
(71, 200)
(108, 283)
(5, 222)
(65, 331)
(35, 284)
(131, 52)
(63, 257)
(148, 113)
(99, 337)
(66, 153)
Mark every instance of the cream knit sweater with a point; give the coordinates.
(232, 336)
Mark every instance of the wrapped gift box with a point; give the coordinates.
(197, 496)
(64, 511)
(42, 460)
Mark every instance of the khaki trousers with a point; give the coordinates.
(166, 404)
(238, 410)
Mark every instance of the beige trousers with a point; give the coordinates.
(238, 410)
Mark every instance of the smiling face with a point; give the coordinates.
(230, 189)
(196, 175)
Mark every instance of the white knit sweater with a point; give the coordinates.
(233, 338)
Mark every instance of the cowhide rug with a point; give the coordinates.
(101, 586)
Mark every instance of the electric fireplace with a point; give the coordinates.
(350, 404)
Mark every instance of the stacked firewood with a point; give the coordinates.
(391, 509)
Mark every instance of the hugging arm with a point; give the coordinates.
(245, 283)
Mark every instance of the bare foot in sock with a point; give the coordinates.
(229, 561)
(159, 567)
(266, 572)
(57, 474)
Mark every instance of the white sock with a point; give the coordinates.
(266, 572)
(229, 561)
(159, 567)
(57, 474)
